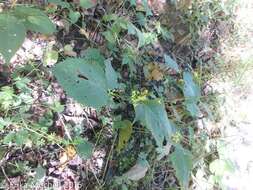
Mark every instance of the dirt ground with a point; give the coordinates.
(236, 90)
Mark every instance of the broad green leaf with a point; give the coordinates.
(152, 114)
(12, 35)
(171, 63)
(84, 149)
(111, 75)
(125, 130)
(84, 81)
(93, 55)
(74, 16)
(35, 19)
(191, 89)
(182, 162)
(88, 3)
(192, 93)
(60, 3)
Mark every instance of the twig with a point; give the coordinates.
(6, 177)
(108, 158)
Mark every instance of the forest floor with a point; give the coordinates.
(48, 109)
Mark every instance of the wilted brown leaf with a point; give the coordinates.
(71, 151)
(154, 72)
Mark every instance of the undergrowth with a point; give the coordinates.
(139, 69)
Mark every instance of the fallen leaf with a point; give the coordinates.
(84, 32)
(68, 50)
(71, 151)
(66, 155)
(63, 158)
(156, 75)
(138, 171)
(153, 72)
(50, 57)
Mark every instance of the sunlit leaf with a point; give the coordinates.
(220, 166)
(125, 130)
(50, 57)
(68, 50)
